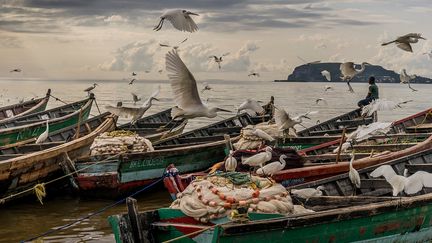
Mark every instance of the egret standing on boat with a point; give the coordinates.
(259, 159)
(44, 135)
(274, 167)
(348, 72)
(185, 91)
(180, 19)
(307, 193)
(353, 174)
(91, 88)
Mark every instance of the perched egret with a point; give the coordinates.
(43, 135)
(321, 99)
(185, 91)
(404, 42)
(284, 122)
(328, 87)
(251, 105)
(405, 79)
(218, 60)
(348, 72)
(381, 105)
(353, 174)
(255, 74)
(307, 193)
(91, 88)
(274, 167)
(180, 19)
(259, 159)
(260, 133)
(230, 162)
(17, 70)
(326, 74)
(174, 47)
(206, 87)
(135, 98)
(135, 113)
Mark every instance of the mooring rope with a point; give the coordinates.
(60, 228)
(97, 106)
(58, 99)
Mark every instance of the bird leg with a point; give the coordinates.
(159, 26)
(350, 89)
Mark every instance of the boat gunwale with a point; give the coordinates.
(40, 102)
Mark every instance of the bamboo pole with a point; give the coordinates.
(340, 145)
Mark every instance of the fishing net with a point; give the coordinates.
(120, 142)
(250, 141)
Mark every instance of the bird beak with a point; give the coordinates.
(422, 38)
(190, 13)
(219, 109)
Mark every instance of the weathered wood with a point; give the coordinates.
(355, 122)
(413, 168)
(342, 140)
(132, 209)
(374, 184)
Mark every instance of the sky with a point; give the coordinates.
(109, 39)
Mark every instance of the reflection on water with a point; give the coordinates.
(28, 219)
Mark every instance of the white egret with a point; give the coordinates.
(230, 162)
(134, 73)
(328, 87)
(274, 167)
(260, 133)
(381, 105)
(255, 74)
(185, 91)
(326, 74)
(91, 88)
(284, 122)
(174, 47)
(405, 79)
(218, 60)
(180, 19)
(348, 72)
(404, 42)
(307, 193)
(353, 174)
(251, 105)
(206, 87)
(135, 98)
(43, 135)
(132, 81)
(259, 159)
(322, 100)
(135, 113)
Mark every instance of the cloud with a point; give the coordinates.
(10, 42)
(136, 56)
(115, 19)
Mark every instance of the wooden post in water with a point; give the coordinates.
(134, 220)
(340, 145)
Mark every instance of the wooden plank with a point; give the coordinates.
(334, 131)
(374, 183)
(132, 208)
(354, 122)
(223, 130)
(413, 168)
(384, 147)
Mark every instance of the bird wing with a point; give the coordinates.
(260, 133)
(184, 41)
(183, 83)
(305, 115)
(164, 45)
(182, 22)
(410, 35)
(364, 132)
(417, 181)
(405, 46)
(123, 111)
(153, 95)
(384, 170)
(347, 70)
(281, 116)
(134, 96)
(326, 74)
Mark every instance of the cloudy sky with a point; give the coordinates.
(108, 39)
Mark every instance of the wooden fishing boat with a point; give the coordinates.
(156, 126)
(191, 151)
(23, 172)
(24, 108)
(337, 218)
(55, 138)
(29, 127)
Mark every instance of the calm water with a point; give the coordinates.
(24, 220)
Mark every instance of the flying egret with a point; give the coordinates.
(307, 193)
(17, 70)
(218, 60)
(206, 87)
(160, 71)
(43, 135)
(180, 19)
(259, 159)
(353, 174)
(404, 42)
(135, 113)
(134, 74)
(274, 167)
(405, 79)
(135, 98)
(230, 162)
(255, 74)
(185, 91)
(348, 72)
(132, 81)
(326, 74)
(328, 87)
(321, 99)
(91, 88)
(381, 105)
(174, 47)
(251, 105)
(284, 122)
(260, 133)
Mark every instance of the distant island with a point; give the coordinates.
(312, 73)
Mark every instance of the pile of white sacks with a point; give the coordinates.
(120, 142)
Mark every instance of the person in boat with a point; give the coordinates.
(269, 107)
(372, 93)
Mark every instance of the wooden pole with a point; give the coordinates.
(134, 219)
(340, 145)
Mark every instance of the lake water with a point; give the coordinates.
(27, 219)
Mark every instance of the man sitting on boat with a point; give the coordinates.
(371, 95)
